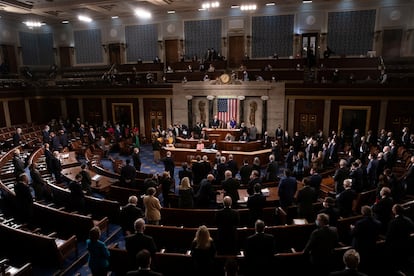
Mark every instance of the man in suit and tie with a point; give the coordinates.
(227, 221)
(230, 186)
(255, 204)
(260, 249)
(287, 189)
(129, 214)
(215, 123)
(408, 178)
(272, 169)
(128, 173)
(139, 241)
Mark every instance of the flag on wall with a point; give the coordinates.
(226, 109)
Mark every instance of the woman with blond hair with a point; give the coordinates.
(203, 251)
(185, 194)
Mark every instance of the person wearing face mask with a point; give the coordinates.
(330, 209)
(321, 245)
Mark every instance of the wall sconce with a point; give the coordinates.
(105, 47)
(264, 98)
(224, 41)
(189, 97)
(160, 44)
(241, 98)
(210, 97)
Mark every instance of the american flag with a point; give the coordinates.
(226, 109)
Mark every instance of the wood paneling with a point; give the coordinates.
(9, 57)
(2, 117)
(399, 115)
(64, 55)
(92, 111)
(41, 111)
(17, 112)
(72, 108)
(236, 50)
(135, 106)
(172, 48)
(309, 116)
(154, 108)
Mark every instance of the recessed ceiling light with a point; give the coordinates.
(115, 17)
(170, 12)
(143, 13)
(84, 18)
(235, 6)
(251, 7)
(65, 22)
(33, 24)
(307, 1)
(270, 4)
(201, 9)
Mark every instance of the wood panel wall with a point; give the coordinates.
(17, 112)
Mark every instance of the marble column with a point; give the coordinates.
(190, 111)
(241, 108)
(210, 99)
(327, 117)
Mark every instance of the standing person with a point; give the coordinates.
(365, 234)
(205, 196)
(321, 245)
(38, 183)
(56, 167)
(24, 199)
(245, 172)
(86, 179)
(136, 242)
(152, 207)
(351, 260)
(203, 252)
(305, 199)
(136, 159)
(156, 148)
(346, 199)
(287, 189)
(272, 170)
(169, 164)
(166, 182)
(128, 174)
(77, 197)
(227, 221)
(340, 175)
(230, 186)
(185, 194)
(255, 204)
(185, 172)
(260, 249)
(98, 259)
(18, 164)
(129, 214)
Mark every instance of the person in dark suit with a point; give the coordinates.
(321, 245)
(18, 164)
(346, 199)
(232, 165)
(136, 159)
(330, 209)
(215, 123)
(255, 204)
(221, 169)
(266, 141)
(185, 172)
(206, 166)
(128, 174)
(205, 195)
(143, 262)
(230, 186)
(383, 208)
(24, 199)
(365, 233)
(91, 136)
(289, 159)
(279, 133)
(55, 142)
(197, 170)
(259, 252)
(254, 179)
(315, 180)
(340, 175)
(397, 239)
(408, 178)
(86, 179)
(213, 145)
(351, 260)
(305, 199)
(129, 214)
(39, 184)
(77, 197)
(272, 170)
(227, 221)
(63, 139)
(372, 170)
(136, 242)
(56, 167)
(17, 137)
(287, 189)
(245, 172)
(244, 137)
(169, 165)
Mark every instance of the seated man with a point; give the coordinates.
(144, 264)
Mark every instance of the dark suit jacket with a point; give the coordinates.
(398, 235)
(18, 166)
(256, 203)
(287, 190)
(245, 172)
(128, 174)
(24, 200)
(340, 175)
(321, 244)
(260, 248)
(365, 234)
(272, 171)
(198, 172)
(143, 273)
(305, 199)
(230, 187)
(128, 215)
(169, 165)
(135, 243)
(227, 221)
(136, 159)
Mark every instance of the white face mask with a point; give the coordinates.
(317, 223)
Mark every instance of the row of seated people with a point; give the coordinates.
(7, 268)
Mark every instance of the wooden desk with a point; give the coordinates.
(100, 183)
(68, 159)
(240, 146)
(243, 195)
(220, 133)
(181, 155)
(190, 143)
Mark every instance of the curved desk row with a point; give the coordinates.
(181, 155)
